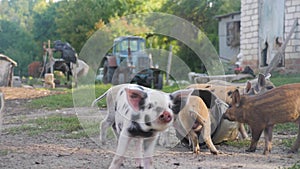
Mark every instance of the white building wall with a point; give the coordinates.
(250, 35)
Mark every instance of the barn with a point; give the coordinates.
(268, 29)
(6, 71)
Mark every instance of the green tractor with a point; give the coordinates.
(130, 63)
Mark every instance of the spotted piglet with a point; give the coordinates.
(139, 113)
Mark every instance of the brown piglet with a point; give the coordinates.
(261, 112)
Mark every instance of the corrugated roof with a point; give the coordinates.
(3, 57)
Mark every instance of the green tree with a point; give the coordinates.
(18, 45)
(76, 27)
(45, 27)
(19, 12)
(202, 14)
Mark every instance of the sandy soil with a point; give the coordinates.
(48, 150)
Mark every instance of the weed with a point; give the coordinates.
(287, 128)
(4, 152)
(288, 142)
(295, 166)
(64, 124)
(239, 143)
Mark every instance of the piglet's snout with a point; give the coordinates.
(165, 117)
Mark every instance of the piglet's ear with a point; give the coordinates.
(261, 81)
(180, 98)
(236, 98)
(248, 87)
(185, 93)
(136, 98)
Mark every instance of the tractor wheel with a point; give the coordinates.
(115, 78)
(159, 84)
(105, 72)
(108, 73)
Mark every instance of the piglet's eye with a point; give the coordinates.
(170, 106)
(150, 106)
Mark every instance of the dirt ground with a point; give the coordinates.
(49, 151)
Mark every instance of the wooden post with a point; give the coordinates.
(169, 65)
(49, 77)
(50, 55)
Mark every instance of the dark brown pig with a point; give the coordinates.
(262, 112)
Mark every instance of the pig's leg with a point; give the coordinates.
(255, 137)
(194, 139)
(139, 151)
(243, 131)
(268, 139)
(149, 145)
(107, 122)
(123, 144)
(297, 142)
(207, 138)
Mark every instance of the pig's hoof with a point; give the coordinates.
(215, 152)
(197, 151)
(250, 150)
(292, 151)
(266, 152)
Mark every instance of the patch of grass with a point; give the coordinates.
(239, 143)
(19, 129)
(66, 127)
(4, 152)
(288, 142)
(89, 129)
(170, 89)
(66, 124)
(66, 100)
(279, 80)
(59, 123)
(295, 166)
(287, 128)
(52, 102)
(99, 90)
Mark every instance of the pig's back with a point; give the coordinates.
(278, 105)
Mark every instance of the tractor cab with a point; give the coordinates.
(130, 63)
(126, 46)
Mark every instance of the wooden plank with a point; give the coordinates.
(228, 78)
